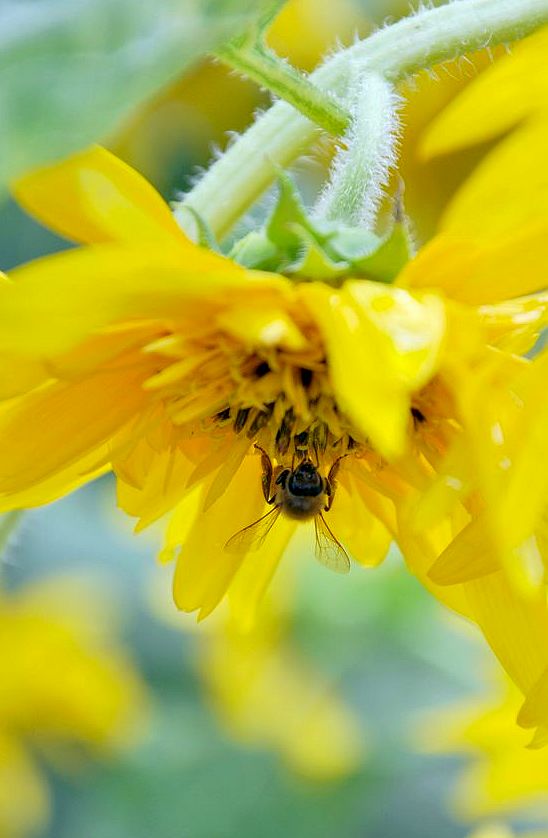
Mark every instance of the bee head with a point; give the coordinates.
(305, 480)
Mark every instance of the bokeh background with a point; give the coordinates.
(318, 725)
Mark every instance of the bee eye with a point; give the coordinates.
(282, 478)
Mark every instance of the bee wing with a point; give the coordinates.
(252, 537)
(329, 550)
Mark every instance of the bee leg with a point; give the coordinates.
(331, 483)
(281, 477)
(266, 479)
(330, 492)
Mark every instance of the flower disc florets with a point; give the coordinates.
(277, 394)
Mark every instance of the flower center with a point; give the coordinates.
(279, 398)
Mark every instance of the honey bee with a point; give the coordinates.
(300, 493)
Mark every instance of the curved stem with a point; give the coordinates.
(361, 169)
(242, 174)
(261, 64)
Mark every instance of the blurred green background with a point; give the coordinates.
(377, 636)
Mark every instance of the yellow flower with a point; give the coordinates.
(268, 694)
(501, 831)
(410, 404)
(502, 776)
(306, 29)
(60, 686)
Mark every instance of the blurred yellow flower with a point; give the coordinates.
(502, 776)
(406, 406)
(501, 831)
(305, 29)
(64, 684)
(266, 693)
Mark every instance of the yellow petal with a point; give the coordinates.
(87, 468)
(376, 503)
(470, 555)
(57, 301)
(515, 627)
(162, 489)
(515, 325)
(495, 831)
(478, 271)
(420, 550)
(539, 740)
(180, 524)
(507, 190)
(535, 708)
(205, 569)
(19, 376)
(525, 498)
(57, 424)
(94, 197)
(506, 92)
(452, 483)
(504, 408)
(102, 350)
(24, 799)
(381, 344)
(407, 329)
(255, 573)
(262, 327)
(362, 534)
(232, 462)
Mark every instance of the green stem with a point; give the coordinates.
(250, 165)
(266, 68)
(361, 169)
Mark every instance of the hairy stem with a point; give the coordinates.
(361, 169)
(431, 36)
(266, 68)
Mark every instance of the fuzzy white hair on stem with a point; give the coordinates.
(361, 168)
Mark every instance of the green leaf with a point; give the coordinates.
(72, 70)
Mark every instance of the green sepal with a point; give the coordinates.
(314, 262)
(205, 237)
(288, 218)
(353, 244)
(256, 251)
(308, 249)
(385, 263)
